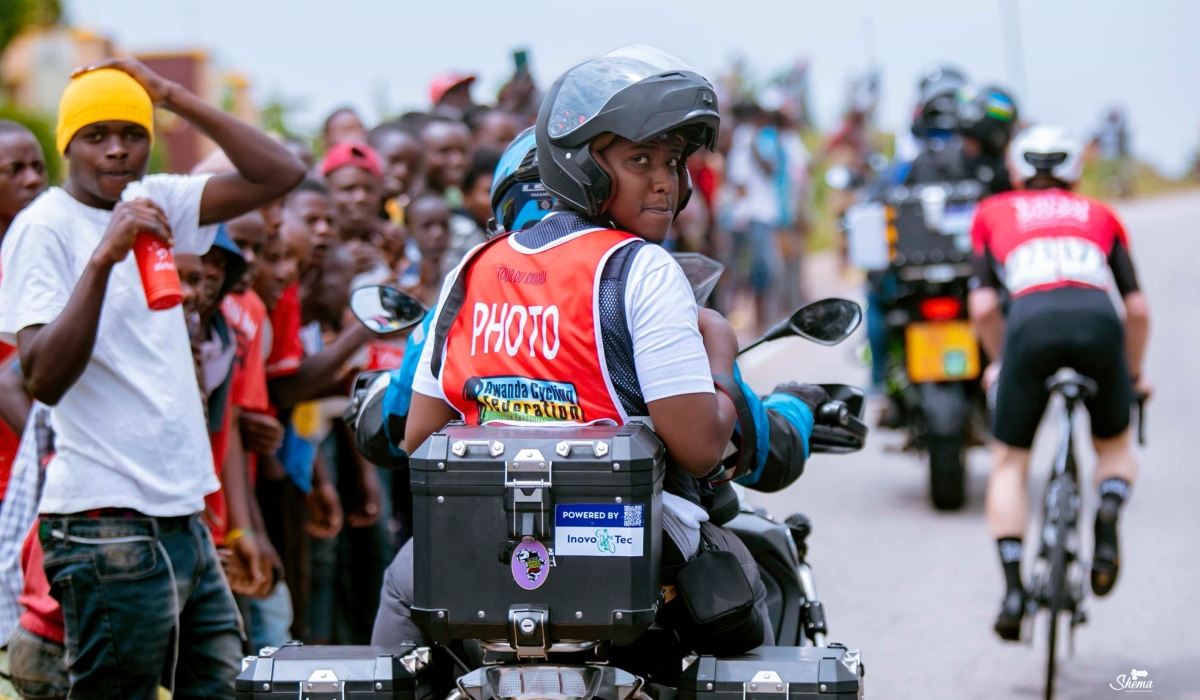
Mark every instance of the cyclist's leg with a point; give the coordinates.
(1101, 356)
(1032, 352)
(1007, 504)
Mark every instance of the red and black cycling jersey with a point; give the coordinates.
(1037, 240)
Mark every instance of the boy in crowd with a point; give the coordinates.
(22, 179)
(495, 128)
(343, 126)
(429, 225)
(400, 153)
(477, 186)
(264, 601)
(308, 221)
(133, 460)
(447, 146)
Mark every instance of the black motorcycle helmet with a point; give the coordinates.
(988, 115)
(636, 92)
(938, 94)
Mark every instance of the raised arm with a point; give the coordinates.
(266, 170)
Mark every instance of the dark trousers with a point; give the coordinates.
(120, 582)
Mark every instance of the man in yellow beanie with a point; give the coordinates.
(142, 592)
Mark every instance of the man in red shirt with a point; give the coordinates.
(1054, 252)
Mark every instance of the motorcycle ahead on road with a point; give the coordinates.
(536, 559)
(914, 242)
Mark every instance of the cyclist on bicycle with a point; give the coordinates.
(1054, 252)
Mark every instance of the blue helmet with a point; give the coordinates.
(518, 198)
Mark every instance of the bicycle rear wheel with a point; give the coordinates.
(1058, 593)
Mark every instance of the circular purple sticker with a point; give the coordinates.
(530, 564)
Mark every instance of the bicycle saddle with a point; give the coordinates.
(1071, 384)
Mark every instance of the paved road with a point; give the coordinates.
(917, 590)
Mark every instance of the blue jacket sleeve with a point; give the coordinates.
(783, 425)
(398, 396)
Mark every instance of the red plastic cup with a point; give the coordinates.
(160, 279)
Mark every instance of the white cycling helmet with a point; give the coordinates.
(1046, 150)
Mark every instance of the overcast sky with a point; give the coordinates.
(1078, 55)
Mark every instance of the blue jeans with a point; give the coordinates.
(36, 665)
(760, 242)
(113, 578)
(270, 620)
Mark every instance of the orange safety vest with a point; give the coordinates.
(525, 346)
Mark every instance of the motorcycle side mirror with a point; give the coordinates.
(825, 322)
(828, 321)
(385, 310)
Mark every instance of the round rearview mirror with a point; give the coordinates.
(385, 310)
(828, 321)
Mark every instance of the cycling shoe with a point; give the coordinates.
(1106, 563)
(1012, 611)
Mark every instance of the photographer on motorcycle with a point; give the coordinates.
(613, 136)
(1054, 251)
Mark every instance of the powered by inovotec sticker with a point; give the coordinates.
(598, 530)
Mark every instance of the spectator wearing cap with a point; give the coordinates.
(450, 94)
(354, 176)
(133, 459)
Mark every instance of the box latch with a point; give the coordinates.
(766, 685)
(529, 630)
(529, 469)
(528, 477)
(323, 685)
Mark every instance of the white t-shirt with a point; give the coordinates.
(660, 310)
(130, 433)
(759, 201)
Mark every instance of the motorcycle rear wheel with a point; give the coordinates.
(947, 472)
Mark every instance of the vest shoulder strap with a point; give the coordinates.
(453, 305)
(614, 329)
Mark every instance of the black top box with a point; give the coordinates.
(537, 535)
(933, 222)
(368, 673)
(776, 673)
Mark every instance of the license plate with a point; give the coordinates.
(941, 351)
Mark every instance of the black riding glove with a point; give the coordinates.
(810, 394)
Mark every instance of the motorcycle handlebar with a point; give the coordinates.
(836, 429)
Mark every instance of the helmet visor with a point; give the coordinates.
(589, 86)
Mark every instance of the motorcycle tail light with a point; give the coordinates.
(941, 308)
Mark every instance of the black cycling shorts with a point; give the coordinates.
(1067, 327)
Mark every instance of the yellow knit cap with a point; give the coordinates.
(99, 96)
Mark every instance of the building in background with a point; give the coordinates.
(37, 65)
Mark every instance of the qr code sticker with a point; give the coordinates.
(633, 516)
